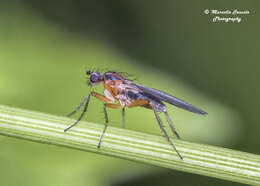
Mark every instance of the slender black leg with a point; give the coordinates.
(165, 133)
(79, 107)
(123, 117)
(105, 128)
(171, 125)
(82, 114)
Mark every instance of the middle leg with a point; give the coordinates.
(105, 128)
(123, 117)
(111, 105)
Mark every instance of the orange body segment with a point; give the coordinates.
(139, 102)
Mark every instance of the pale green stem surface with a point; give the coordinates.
(154, 150)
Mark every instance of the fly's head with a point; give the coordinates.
(95, 78)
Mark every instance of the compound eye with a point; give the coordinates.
(94, 78)
(89, 72)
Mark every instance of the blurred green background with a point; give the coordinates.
(47, 46)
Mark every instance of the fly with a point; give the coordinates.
(130, 94)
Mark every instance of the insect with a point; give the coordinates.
(129, 94)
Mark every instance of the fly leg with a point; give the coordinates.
(123, 117)
(165, 133)
(105, 128)
(81, 115)
(86, 101)
(79, 107)
(171, 125)
(111, 105)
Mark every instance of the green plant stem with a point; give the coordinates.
(154, 150)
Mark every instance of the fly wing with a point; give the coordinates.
(170, 99)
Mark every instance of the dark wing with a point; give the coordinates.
(170, 99)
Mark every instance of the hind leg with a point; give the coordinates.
(171, 125)
(165, 133)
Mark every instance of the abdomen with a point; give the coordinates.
(141, 99)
